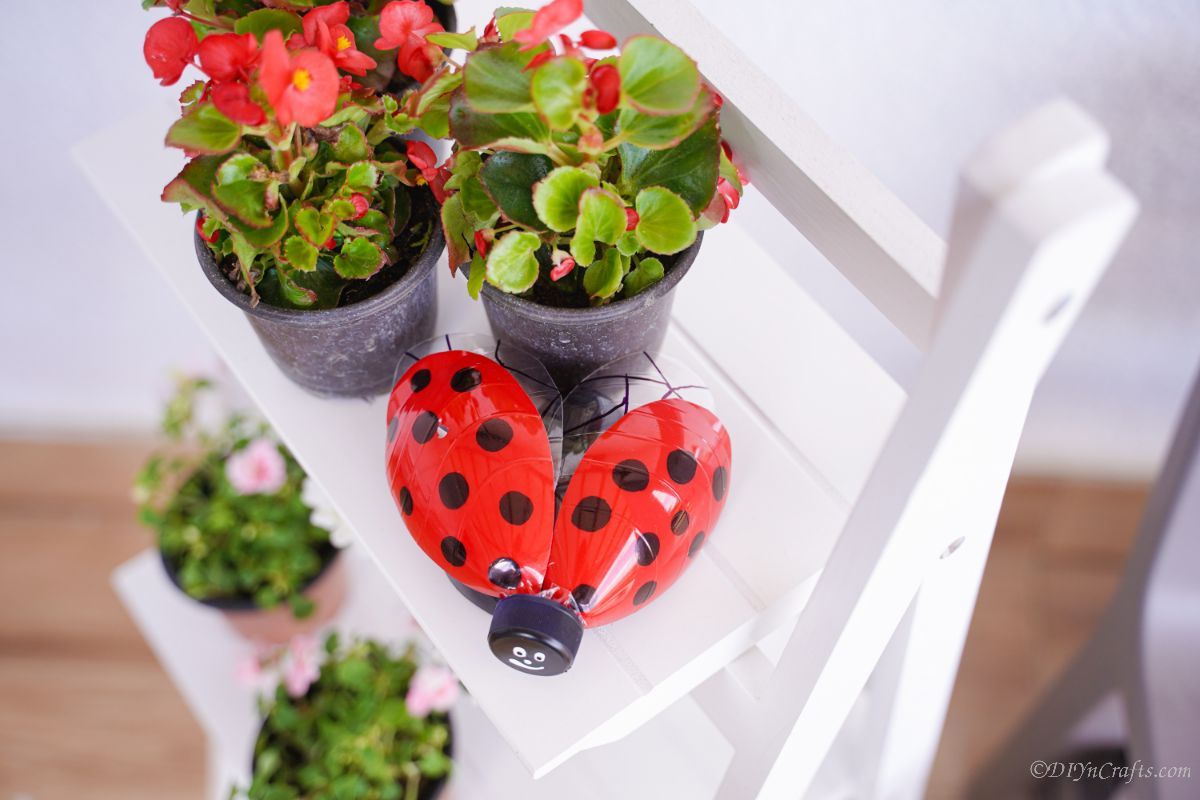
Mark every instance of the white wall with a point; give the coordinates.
(88, 328)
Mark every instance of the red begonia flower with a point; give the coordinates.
(598, 40)
(361, 205)
(402, 21)
(538, 60)
(420, 155)
(729, 195)
(437, 183)
(200, 230)
(228, 56)
(233, 100)
(606, 82)
(491, 33)
(563, 269)
(482, 244)
(168, 49)
(549, 20)
(631, 219)
(325, 29)
(301, 86)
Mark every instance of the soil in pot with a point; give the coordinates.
(326, 589)
(573, 338)
(351, 349)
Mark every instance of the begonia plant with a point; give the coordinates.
(295, 167)
(227, 504)
(577, 167)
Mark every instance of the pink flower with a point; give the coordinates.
(432, 688)
(303, 665)
(248, 670)
(258, 468)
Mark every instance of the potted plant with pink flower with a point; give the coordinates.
(235, 525)
(582, 177)
(313, 215)
(355, 720)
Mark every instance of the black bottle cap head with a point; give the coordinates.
(535, 635)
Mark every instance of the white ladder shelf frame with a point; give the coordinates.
(1037, 220)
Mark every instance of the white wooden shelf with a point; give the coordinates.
(678, 752)
(807, 410)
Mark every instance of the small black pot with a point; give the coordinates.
(427, 791)
(349, 351)
(329, 554)
(573, 342)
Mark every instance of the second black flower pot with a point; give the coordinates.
(351, 350)
(573, 342)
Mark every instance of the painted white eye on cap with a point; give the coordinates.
(519, 652)
(539, 656)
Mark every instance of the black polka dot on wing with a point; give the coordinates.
(494, 435)
(453, 490)
(680, 522)
(720, 482)
(591, 514)
(584, 594)
(647, 548)
(505, 573)
(643, 593)
(516, 508)
(465, 379)
(631, 475)
(681, 466)
(420, 380)
(393, 425)
(424, 427)
(406, 500)
(454, 551)
(697, 543)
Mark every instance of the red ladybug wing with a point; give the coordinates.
(641, 503)
(470, 468)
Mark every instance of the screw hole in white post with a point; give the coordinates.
(950, 548)
(1056, 309)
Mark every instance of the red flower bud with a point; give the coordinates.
(563, 269)
(631, 219)
(200, 230)
(597, 40)
(233, 100)
(361, 205)
(549, 20)
(606, 82)
(481, 243)
(329, 244)
(168, 49)
(538, 60)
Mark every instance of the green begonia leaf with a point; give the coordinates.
(603, 278)
(660, 132)
(509, 178)
(601, 218)
(646, 274)
(556, 197)
(315, 227)
(521, 132)
(359, 258)
(512, 264)
(458, 230)
(362, 175)
(557, 89)
(455, 41)
(689, 169)
(509, 21)
(478, 273)
(204, 130)
(300, 254)
(496, 82)
(657, 77)
(351, 145)
(665, 225)
(262, 20)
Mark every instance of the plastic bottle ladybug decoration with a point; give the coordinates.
(478, 483)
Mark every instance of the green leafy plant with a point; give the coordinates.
(295, 167)
(575, 178)
(228, 510)
(357, 732)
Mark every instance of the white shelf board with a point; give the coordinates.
(677, 752)
(806, 408)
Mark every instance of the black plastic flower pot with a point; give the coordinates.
(351, 350)
(573, 342)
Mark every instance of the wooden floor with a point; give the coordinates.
(85, 712)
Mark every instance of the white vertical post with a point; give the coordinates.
(1026, 268)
